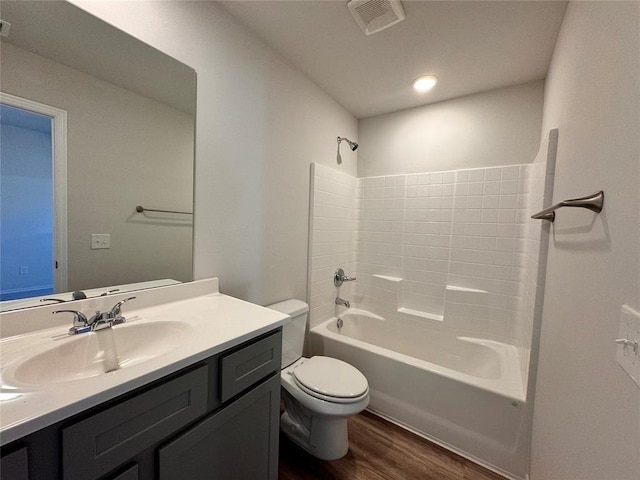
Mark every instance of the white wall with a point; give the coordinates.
(494, 128)
(260, 123)
(587, 411)
(123, 149)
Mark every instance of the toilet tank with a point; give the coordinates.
(293, 333)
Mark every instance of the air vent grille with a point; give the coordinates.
(375, 15)
(374, 9)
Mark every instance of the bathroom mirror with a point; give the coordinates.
(121, 118)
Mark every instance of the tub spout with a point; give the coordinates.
(340, 301)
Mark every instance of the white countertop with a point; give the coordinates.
(216, 323)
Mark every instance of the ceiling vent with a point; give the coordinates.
(375, 15)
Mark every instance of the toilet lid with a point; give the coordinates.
(331, 377)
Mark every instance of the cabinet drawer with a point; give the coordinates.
(104, 441)
(241, 369)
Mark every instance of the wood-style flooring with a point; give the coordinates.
(380, 450)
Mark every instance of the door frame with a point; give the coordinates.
(59, 152)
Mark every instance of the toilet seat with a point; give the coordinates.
(331, 380)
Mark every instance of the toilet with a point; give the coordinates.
(319, 393)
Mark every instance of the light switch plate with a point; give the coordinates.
(100, 240)
(627, 356)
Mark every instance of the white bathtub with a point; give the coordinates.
(464, 393)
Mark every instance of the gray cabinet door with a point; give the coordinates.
(239, 442)
(110, 438)
(130, 473)
(14, 466)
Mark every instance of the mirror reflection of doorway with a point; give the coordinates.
(32, 199)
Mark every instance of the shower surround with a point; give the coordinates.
(444, 261)
(453, 249)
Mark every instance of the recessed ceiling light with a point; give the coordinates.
(424, 83)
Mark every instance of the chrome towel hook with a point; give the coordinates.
(593, 202)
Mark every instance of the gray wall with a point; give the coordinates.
(260, 125)
(587, 410)
(495, 128)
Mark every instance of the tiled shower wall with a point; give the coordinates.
(452, 242)
(332, 234)
(452, 250)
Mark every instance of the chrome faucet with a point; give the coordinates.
(99, 321)
(108, 319)
(340, 301)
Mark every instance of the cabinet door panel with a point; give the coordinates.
(112, 437)
(14, 466)
(130, 473)
(239, 442)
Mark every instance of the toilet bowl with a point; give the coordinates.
(319, 393)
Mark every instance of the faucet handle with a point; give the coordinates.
(80, 322)
(79, 318)
(339, 277)
(116, 311)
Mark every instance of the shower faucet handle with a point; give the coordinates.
(339, 277)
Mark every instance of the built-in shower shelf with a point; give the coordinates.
(462, 295)
(420, 314)
(452, 288)
(388, 278)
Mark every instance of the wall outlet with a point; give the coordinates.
(100, 240)
(628, 354)
(24, 270)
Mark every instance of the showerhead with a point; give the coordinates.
(352, 145)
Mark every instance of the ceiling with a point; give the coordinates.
(471, 46)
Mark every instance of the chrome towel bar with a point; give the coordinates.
(141, 209)
(592, 202)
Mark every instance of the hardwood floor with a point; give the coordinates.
(380, 450)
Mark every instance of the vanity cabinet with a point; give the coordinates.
(218, 418)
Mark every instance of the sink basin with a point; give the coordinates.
(91, 354)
